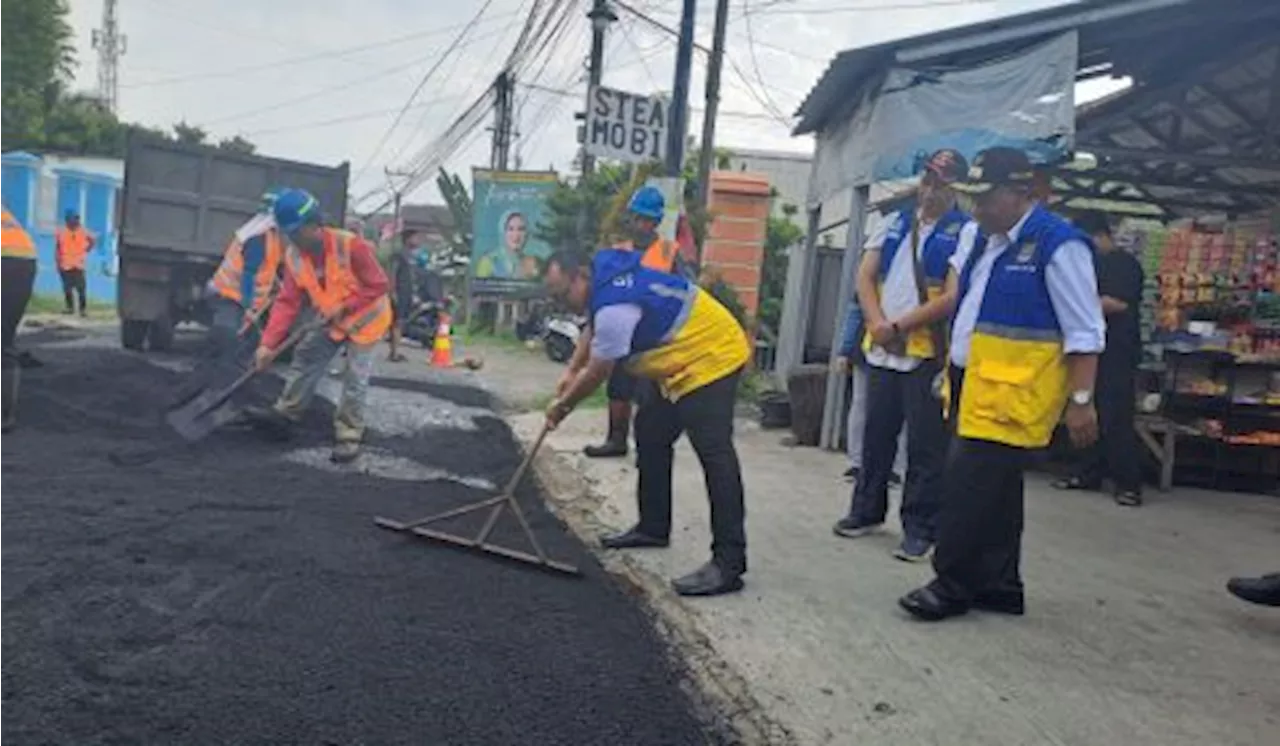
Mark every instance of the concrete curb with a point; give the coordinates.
(722, 695)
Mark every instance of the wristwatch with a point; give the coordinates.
(1082, 397)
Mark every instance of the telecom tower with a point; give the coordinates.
(111, 45)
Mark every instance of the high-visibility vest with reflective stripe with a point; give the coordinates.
(71, 246)
(660, 255)
(229, 278)
(364, 325)
(15, 240)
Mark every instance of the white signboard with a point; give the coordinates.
(626, 126)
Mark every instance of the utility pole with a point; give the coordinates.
(706, 157)
(680, 90)
(601, 16)
(111, 46)
(503, 114)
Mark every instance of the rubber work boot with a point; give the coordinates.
(1264, 591)
(9, 391)
(345, 452)
(615, 445)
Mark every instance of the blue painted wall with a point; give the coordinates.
(90, 194)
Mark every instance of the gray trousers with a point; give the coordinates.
(857, 426)
(310, 363)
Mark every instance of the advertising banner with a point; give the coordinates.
(507, 206)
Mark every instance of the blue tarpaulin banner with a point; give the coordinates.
(1024, 100)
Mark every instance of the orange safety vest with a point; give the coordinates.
(364, 325)
(15, 242)
(71, 247)
(661, 254)
(227, 280)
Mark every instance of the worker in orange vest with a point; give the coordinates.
(72, 244)
(644, 214)
(239, 295)
(18, 259)
(335, 274)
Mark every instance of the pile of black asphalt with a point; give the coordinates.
(225, 595)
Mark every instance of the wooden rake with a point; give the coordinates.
(496, 506)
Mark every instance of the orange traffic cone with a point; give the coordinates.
(442, 346)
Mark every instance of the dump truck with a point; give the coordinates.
(182, 204)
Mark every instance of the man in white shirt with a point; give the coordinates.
(902, 291)
(1025, 342)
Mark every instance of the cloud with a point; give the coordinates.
(218, 66)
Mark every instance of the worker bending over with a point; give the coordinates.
(18, 259)
(72, 244)
(1026, 336)
(332, 274)
(241, 292)
(644, 215)
(672, 332)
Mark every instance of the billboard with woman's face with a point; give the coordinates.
(506, 256)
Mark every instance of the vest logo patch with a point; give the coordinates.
(623, 281)
(1025, 251)
(953, 229)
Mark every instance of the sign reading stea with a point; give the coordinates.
(625, 126)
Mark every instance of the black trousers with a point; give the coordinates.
(19, 278)
(979, 549)
(706, 415)
(1116, 453)
(622, 386)
(73, 284)
(892, 398)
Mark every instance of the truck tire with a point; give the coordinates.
(160, 335)
(133, 334)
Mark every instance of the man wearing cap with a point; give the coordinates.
(334, 275)
(1025, 342)
(901, 287)
(72, 244)
(644, 215)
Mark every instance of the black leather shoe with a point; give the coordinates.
(632, 539)
(1264, 591)
(708, 580)
(923, 603)
(1001, 602)
(608, 449)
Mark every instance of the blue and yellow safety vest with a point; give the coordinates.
(1015, 384)
(685, 338)
(935, 260)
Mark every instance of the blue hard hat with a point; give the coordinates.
(295, 208)
(69, 214)
(648, 202)
(269, 198)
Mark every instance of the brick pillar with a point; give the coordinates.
(734, 248)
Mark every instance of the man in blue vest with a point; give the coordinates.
(1025, 343)
(902, 292)
(665, 329)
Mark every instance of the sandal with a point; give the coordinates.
(1073, 483)
(1128, 499)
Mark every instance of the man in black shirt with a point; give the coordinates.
(1116, 453)
(403, 274)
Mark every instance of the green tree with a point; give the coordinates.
(781, 233)
(457, 249)
(189, 134)
(237, 144)
(37, 58)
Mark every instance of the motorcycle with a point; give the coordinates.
(561, 334)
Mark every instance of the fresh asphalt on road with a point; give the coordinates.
(227, 595)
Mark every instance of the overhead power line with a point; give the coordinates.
(421, 84)
(259, 68)
(344, 120)
(330, 89)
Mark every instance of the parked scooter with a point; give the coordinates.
(561, 335)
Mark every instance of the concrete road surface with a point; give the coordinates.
(238, 593)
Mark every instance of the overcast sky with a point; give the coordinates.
(216, 65)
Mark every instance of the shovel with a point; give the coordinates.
(201, 415)
(204, 413)
(480, 542)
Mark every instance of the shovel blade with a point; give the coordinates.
(200, 416)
